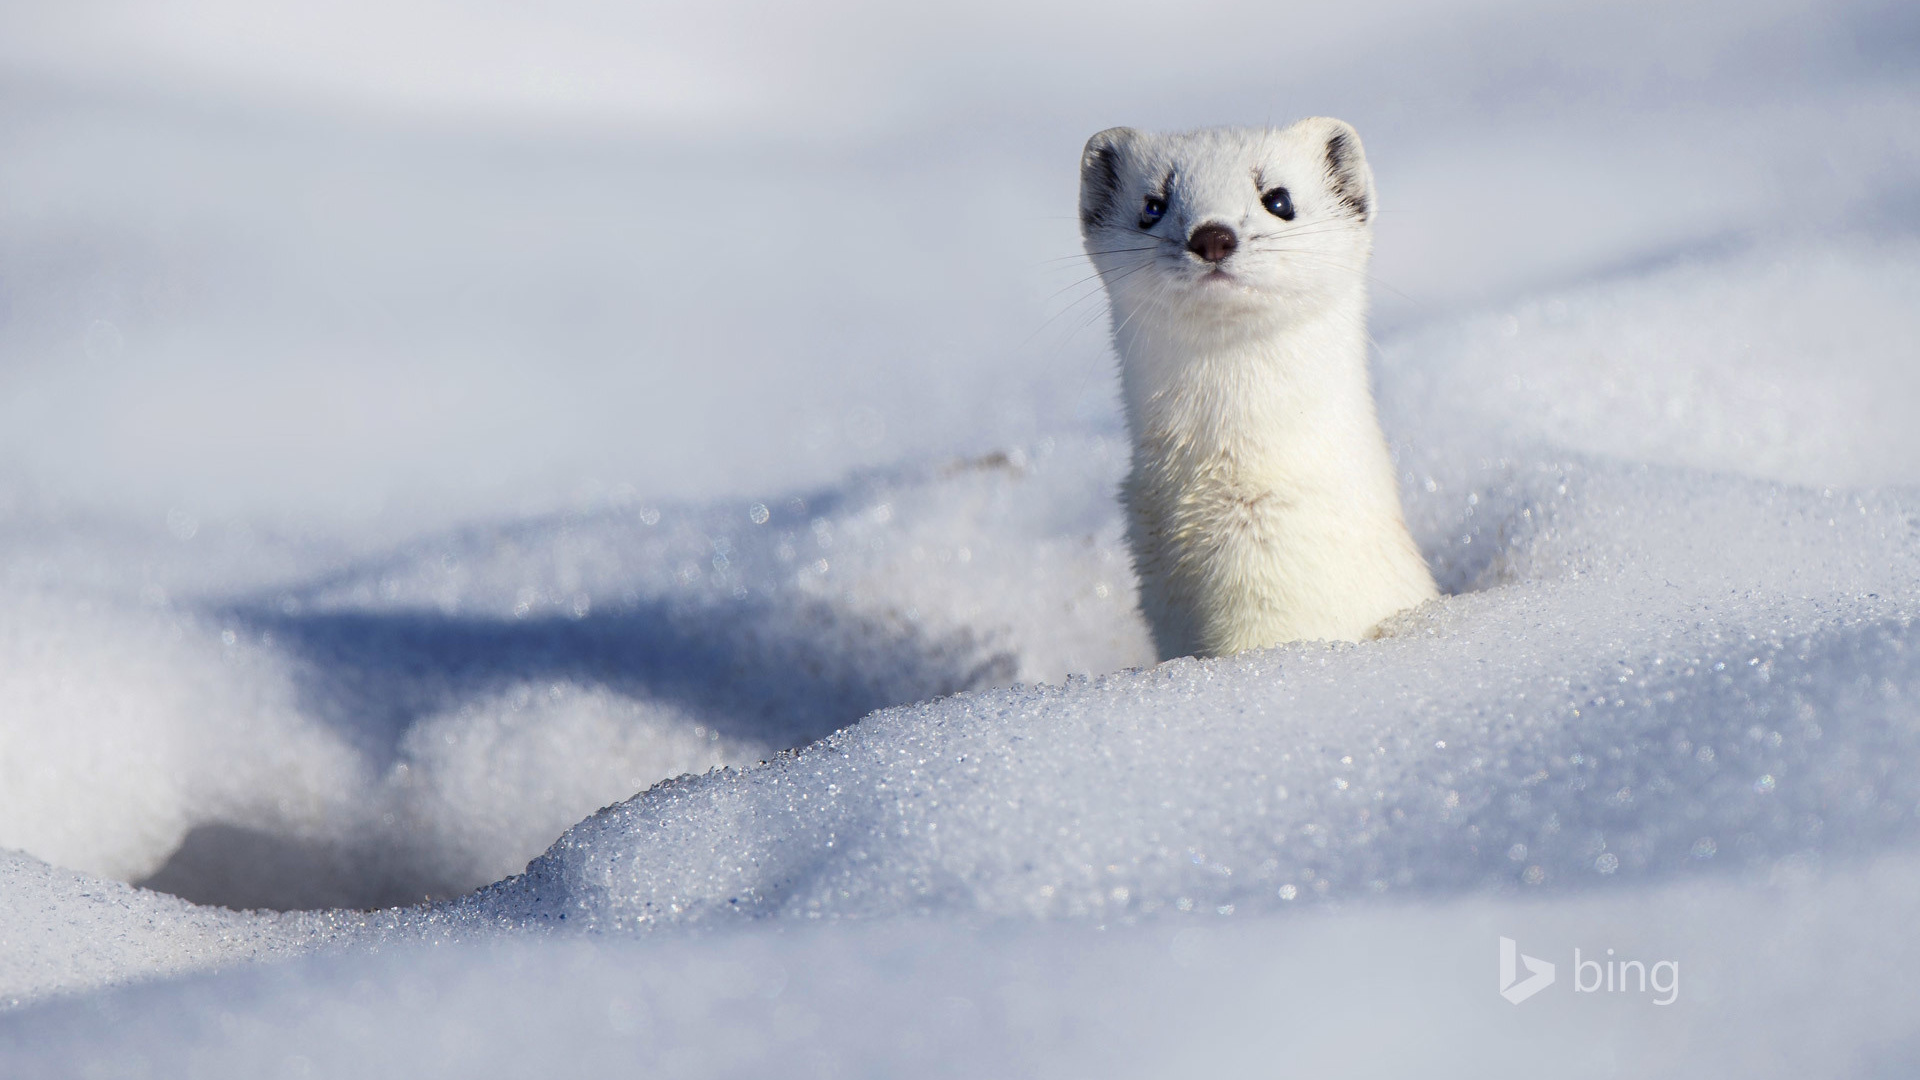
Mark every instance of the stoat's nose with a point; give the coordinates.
(1212, 242)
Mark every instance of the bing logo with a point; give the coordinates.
(1589, 976)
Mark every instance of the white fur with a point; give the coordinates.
(1262, 500)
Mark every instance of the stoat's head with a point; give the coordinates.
(1225, 222)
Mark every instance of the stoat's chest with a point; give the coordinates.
(1244, 433)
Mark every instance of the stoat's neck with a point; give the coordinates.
(1255, 400)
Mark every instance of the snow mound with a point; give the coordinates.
(1660, 673)
(1789, 361)
(425, 720)
(62, 932)
(122, 725)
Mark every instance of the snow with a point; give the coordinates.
(1373, 992)
(407, 537)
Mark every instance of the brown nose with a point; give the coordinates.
(1212, 242)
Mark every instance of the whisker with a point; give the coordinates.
(1071, 285)
(1288, 234)
(1123, 323)
(1090, 294)
(1085, 254)
(1137, 264)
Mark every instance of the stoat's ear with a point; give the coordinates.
(1100, 174)
(1348, 175)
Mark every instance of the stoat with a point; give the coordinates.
(1261, 501)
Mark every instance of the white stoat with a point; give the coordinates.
(1262, 503)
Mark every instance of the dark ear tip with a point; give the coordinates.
(1343, 135)
(1100, 174)
(1107, 140)
(1347, 167)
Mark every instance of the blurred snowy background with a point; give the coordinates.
(424, 424)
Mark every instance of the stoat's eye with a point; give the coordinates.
(1278, 203)
(1153, 211)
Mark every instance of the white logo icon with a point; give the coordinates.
(1539, 973)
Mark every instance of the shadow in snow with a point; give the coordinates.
(781, 673)
(778, 673)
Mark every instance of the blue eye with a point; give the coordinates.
(1151, 214)
(1278, 203)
